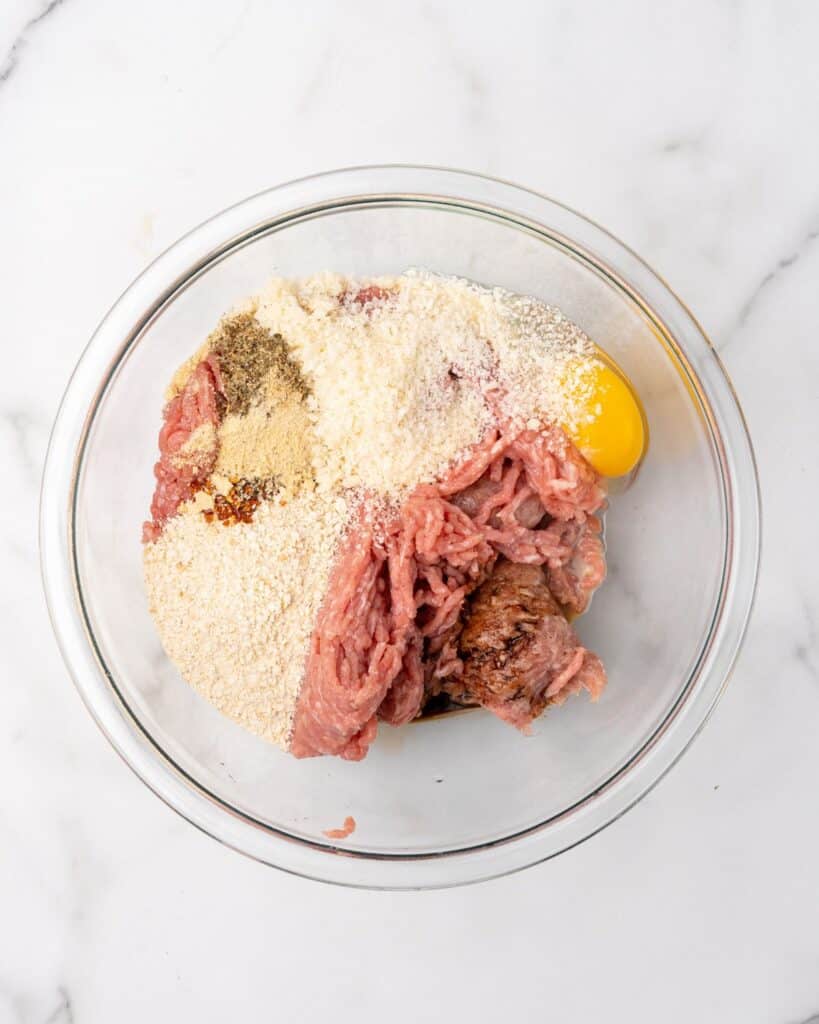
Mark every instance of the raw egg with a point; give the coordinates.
(609, 426)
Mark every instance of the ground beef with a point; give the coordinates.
(487, 493)
(389, 631)
(177, 478)
(517, 650)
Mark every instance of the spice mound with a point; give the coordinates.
(379, 499)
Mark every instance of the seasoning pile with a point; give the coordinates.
(344, 467)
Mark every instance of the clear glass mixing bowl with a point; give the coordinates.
(459, 798)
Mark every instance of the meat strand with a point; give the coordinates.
(196, 405)
(390, 632)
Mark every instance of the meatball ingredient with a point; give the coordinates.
(610, 430)
(247, 354)
(187, 445)
(517, 649)
(237, 634)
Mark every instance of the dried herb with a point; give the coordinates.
(247, 352)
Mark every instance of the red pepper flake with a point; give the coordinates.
(240, 502)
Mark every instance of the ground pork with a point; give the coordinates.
(178, 472)
(388, 632)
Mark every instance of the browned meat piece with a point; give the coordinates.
(518, 651)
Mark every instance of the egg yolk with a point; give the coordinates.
(609, 428)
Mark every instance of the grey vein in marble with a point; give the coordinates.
(775, 274)
(12, 58)
(63, 1013)
(233, 31)
(684, 143)
(804, 649)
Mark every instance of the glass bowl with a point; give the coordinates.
(463, 797)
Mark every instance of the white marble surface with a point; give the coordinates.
(689, 129)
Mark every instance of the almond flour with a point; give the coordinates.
(235, 606)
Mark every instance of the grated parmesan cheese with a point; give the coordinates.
(401, 385)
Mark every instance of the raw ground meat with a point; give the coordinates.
(388, 634)
(346, 829)
(177, 479)
(517, 649)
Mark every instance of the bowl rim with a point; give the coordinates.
(407, 185)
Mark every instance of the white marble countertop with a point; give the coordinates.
(689, 129)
